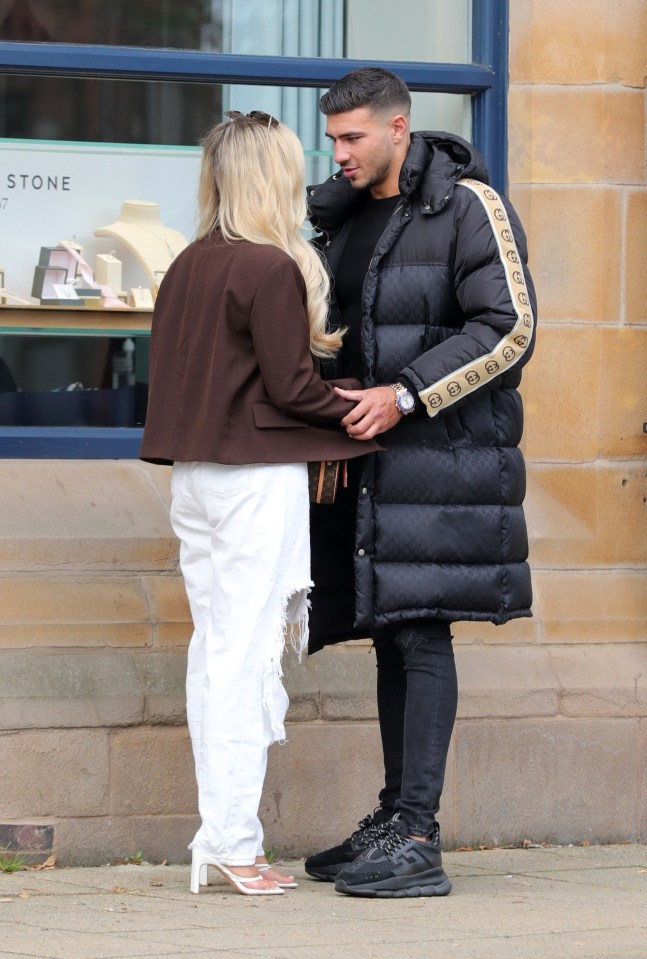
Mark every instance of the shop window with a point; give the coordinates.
(88, 142)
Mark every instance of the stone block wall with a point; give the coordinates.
(551, 738)
(578, 177)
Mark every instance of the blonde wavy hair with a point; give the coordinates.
(252, 187)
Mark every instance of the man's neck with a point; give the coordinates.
(390, 185)
(380, 193)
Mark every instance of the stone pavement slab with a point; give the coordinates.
(539, 903)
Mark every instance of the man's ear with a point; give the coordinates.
(399, 126)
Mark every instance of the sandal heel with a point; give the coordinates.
(200, 862)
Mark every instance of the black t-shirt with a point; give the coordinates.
(349, 279)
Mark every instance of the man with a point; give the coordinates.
(430, 280)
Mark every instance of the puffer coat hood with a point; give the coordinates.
(433, 164)
(448, 309)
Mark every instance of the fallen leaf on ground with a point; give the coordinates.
(48, 864)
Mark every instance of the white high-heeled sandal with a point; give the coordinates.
(264, 866)
(200, 862)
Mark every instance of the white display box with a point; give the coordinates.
(108, 271)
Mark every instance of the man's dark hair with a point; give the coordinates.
(371, 87)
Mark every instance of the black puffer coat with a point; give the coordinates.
(449, 308)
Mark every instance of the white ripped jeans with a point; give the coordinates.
(245, 558)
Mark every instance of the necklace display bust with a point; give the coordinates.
(140, 229)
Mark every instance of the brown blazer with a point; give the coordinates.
(232, 379)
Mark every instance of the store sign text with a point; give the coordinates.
(34, 181)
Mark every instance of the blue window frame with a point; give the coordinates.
(485, 80)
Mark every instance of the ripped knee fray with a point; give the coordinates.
(293, 624)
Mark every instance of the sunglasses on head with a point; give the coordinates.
(256, 116)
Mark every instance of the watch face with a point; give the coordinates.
(405, 402)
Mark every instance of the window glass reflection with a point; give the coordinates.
(364, 29)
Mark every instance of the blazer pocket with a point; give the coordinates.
(267, 416)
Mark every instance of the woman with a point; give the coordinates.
(237, 405)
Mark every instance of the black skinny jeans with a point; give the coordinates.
(417, 693)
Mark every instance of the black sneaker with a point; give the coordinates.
(325, 865)
(396, 867)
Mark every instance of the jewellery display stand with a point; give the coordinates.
(140, 229)
(107, 271)
(66, 360)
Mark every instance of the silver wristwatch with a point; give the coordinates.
(404, 399)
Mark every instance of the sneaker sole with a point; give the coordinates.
(329, 872)
(384, 891)
(325, 876)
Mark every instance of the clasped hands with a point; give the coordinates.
(374, 413)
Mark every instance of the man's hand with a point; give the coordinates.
(375, 412)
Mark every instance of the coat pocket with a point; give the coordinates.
(267, 416)
(455, 431)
